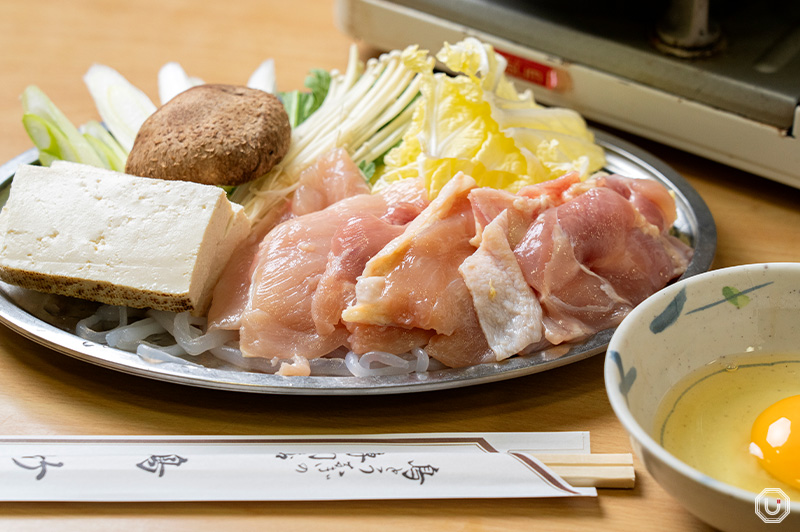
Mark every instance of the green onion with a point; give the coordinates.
(52, 133)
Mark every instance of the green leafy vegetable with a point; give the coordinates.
(367, 169)
(319, 82)
(301, 104)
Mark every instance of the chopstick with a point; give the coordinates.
(565, 454)
(242, 476)
(592, 470)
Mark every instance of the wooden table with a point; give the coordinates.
(52, 44)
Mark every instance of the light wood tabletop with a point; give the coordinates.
(52, 44)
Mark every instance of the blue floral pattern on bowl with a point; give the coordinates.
(670, 315)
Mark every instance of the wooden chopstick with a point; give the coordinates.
(592, 470)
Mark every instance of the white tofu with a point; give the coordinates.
(105, 236)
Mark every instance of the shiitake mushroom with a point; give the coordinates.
(214, 134)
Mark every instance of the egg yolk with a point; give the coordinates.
(775, 440)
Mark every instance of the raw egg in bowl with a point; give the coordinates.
(705, 377)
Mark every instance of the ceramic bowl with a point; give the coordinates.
(683, 327)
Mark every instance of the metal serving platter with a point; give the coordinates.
(694, 222)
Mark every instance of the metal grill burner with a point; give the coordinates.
(686, 31)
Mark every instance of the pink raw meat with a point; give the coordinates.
(595, 257)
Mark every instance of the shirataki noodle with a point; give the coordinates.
(164, 337)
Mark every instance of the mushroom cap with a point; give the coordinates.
(214, 134)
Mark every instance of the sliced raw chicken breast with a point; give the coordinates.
(413, 285)
(413, 281)
(333, 177)
(353, 244)
(306, 269)
(232, 291)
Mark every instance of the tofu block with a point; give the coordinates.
(100, 235)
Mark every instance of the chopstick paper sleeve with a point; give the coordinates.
(279, 477)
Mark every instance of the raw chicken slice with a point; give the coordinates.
(411, 290)
(353, 244)
(414, 281)
(508, 311)
(522, 208)
(553, 189)
(650, 198)
(277, 319)
(285, 315)
(333, 177)
(504, 316)
(233, 288)
(489, 203)
(467, 345)
(357, 241)
(365, 338)
(593, 258)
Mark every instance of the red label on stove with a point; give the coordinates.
(530, 71)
